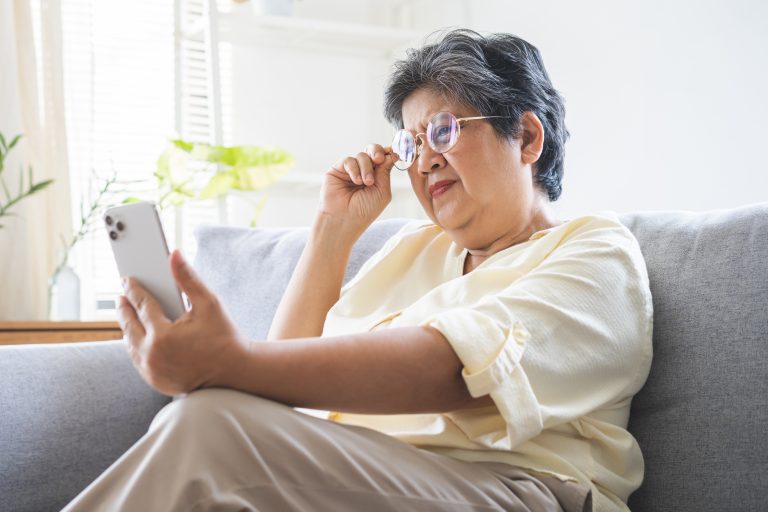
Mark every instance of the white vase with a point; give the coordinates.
(65, 295)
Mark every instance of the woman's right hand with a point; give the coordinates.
(357, 188)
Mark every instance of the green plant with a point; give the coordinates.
(23, 192)
(90, 216)
(188, 170)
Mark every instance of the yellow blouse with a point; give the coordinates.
(556, 329)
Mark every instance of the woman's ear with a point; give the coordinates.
(532, 140)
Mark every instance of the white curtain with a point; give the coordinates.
(32, 103)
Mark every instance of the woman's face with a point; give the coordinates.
(482, 190)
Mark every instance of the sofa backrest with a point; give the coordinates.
(250, 268)
(702, 417)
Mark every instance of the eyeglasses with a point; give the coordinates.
(442, 133)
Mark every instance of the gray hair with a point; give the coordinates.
(497, 75)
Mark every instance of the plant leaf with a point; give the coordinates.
(131, 199)
(2, 141)
(183, 145)
(257, 211)
(258, 177)
(40, 186)
(14, 141)
(220, 184)
(7, 192)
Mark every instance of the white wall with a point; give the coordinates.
(666, 101)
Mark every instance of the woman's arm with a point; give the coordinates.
(392, 371)
(404, 370)
(316, 282)
(355, 192)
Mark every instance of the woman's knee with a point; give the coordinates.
(210, 411)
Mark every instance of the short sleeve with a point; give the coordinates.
(571, 336)
(385, 249)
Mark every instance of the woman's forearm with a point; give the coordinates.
(391, 371)
(316, 282)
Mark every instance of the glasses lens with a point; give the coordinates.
(404, 146)
(442, 131)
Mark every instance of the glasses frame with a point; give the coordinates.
(419, 142)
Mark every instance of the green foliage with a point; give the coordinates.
(188, 170)
(90, 214)
(24, 190)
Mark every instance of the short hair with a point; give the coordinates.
(498, 75)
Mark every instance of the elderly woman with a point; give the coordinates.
(484, 360)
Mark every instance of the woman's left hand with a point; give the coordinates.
(197, 350)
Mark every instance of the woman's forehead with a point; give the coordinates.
(419, 107)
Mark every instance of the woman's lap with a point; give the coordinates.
(220, 449)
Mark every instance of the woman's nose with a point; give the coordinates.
(430, 160)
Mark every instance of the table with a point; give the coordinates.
(19, 333)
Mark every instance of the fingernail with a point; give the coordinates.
(124, 282)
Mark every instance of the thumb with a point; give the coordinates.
(384, 169)
(390, 157)
(187, 279)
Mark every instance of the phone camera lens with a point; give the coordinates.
(113, 235)
(120, 226)
(108, 220)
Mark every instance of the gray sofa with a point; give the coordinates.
(68, 411)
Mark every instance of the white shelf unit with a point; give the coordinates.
(302, 33)
(236, 25)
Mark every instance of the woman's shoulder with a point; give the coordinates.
(599, 226)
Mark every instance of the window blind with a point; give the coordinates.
(119, 98)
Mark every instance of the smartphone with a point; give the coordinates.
(141, 252)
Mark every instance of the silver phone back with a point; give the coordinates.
(141, 252)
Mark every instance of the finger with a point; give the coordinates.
(148, 310)
(390, 157)
(352, 168)
(129, 320)
(188, 280)
(377, 152)
(366, 168)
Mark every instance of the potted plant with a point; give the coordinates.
(23, 192)
(188, 170)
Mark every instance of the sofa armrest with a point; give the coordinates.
(67, 412)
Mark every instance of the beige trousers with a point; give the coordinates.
(223, 450)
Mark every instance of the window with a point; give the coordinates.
(118, 62)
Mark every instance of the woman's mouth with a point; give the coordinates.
(440, 187)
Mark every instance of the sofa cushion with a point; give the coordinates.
(702, 417)
(250, 268)
(67, 412)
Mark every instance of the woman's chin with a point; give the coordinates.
(447, 218)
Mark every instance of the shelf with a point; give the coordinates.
(314, 180)
(246, 28)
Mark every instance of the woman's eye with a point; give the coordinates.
(442, 133)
